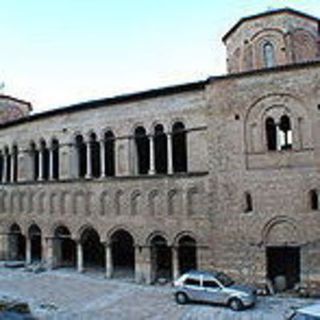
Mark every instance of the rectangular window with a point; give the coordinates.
(210, 284)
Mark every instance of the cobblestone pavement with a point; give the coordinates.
(65, 295)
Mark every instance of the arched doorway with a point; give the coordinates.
(283, 253)
(123, 258)
(161, 259)
(17, 243)
(187, 254)
(64, 247)
(35, 243)
(93, 250)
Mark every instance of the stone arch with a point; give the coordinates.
(123, 252)
(185, 233)
(275, 105)
(135, 203)
(157, 233)
(174, 202)
(64, 248)
(53, 203)
(281, 231)
(304, 46)
(92, 247)
(124, 227)
(186, 245)
(117, 199)
(35, 236)
(105, 203)
(79, 203)
(154, 203)
(17, 242)
(65, 202)
(161, 257)
(16, 205)
(41, 202)
(193, 200)
(276, 38)
(30, 200)
(56, 224)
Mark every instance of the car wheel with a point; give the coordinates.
(235, 304)
(181, 298)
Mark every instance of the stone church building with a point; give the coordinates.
(219, 174)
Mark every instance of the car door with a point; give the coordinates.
(212, 292)
(192, 287)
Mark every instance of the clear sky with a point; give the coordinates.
(58, 52)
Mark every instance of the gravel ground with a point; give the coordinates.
(66, 295)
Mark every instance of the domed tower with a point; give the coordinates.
(273, 38)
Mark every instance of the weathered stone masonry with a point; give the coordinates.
(220, 174)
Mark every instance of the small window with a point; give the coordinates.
(269, 55)
(210, 284)
(314, 200)
(248, 204)
(192, 282)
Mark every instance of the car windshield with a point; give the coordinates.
(225, 280)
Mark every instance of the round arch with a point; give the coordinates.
(93, 249)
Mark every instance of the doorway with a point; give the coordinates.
(284, 261)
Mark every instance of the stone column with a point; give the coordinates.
(4, 170)
(4, 246)
(278, 138)
(175, 263)
(13, 159)
(41, 164)
(102, 159)
(49, 253)
(142, 265)
(79, 257)
(89, 161)
(151, 147)
(169, 146)
(50, 164)
(28, 250)
(109, 263)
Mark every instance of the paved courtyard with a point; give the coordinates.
(65, 295)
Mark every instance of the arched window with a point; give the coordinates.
(15, 163)
(142, 149)
(269, 55)
(248, 202)
(271, 134)
(179, 147)
(279, 135)
(109, 157)
(95, 156)
(285, 133)
(81, 156)
(45, 163)
(55, 159)
(313, 198)
(34, 156)
(160, 149)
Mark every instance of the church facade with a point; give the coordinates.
(219, 174)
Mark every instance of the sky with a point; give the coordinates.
(55, 53)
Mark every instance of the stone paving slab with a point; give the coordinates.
(67, 295)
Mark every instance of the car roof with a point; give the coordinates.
(312, 310)
(202, 273)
